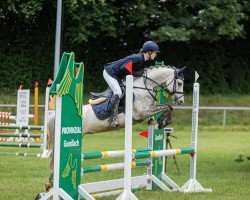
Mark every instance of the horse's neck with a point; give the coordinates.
(159, 75)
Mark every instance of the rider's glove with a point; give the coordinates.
(137, 73)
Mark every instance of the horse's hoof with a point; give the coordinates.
(39, 196)
(151, 121)
(48, 186)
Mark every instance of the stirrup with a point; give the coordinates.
(114, 122)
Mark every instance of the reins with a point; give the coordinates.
(162, 88)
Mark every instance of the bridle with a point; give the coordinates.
(161, 86)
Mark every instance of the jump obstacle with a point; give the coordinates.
(67, 155)
(22, 113)
(68, 88)
(128, 184)
(22, 124)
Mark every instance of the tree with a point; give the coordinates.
(100, 31)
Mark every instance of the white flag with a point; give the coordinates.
(196, 76)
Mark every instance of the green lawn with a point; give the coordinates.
(23, 178)
(218, 147)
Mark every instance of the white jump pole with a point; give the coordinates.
(192, 185)
(127, 193)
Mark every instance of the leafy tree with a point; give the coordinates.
(190, 32)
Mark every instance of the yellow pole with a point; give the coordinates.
(36, 103)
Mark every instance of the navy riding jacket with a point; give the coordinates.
(118, 70)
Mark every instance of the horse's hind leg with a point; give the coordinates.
(51, 139)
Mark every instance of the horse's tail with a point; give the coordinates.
(51, 136)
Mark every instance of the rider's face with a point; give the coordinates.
(153, 55)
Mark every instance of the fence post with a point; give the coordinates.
(224, 116)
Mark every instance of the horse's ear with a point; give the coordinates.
(182, 70)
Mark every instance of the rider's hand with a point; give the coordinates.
(137, 73)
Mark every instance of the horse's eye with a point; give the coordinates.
(179, 82)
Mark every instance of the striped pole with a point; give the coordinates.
(109, 154)
(23, 135)
(7, 123)
(21, 154)
(36, 85)
(13, 144)
(116, 166)
(7, 115)
(21, 127)
(137, 153)
(163, 153)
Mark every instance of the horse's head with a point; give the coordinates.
(174, 85)
(166, 78)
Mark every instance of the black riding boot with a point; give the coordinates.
(113, 120)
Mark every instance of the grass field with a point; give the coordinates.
(22, 178)
(218, 147)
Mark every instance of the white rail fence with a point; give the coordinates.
(222, 108)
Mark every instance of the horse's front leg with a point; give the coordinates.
(165, 119)
(152, 110)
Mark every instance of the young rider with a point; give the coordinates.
(116, 71)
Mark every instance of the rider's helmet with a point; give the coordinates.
(150, 46)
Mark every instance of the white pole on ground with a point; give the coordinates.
(127, 193)
(192, 185)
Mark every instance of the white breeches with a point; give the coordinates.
(113, 84)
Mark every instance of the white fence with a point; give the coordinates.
(222, 108)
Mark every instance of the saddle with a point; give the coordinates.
(101, 104)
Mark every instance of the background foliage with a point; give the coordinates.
(210, 36)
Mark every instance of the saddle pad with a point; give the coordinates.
(102, 110)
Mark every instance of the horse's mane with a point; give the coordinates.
(150, 69)
(160, 66)
(155, 70)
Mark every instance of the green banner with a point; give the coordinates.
(69, 85)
